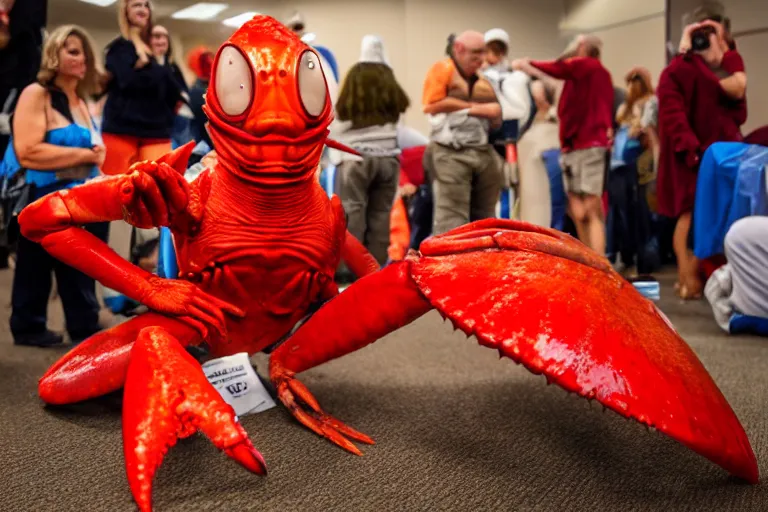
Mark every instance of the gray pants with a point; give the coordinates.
(466, 185)
(367, 190)
(746, 248)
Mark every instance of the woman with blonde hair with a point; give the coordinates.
(142, 94)
(55, 146)
(639, 91)
(628, 226)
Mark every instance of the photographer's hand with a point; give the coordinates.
(685, 39)
(719, 33)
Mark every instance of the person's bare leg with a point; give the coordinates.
(687, 264)
(578, 213)
(595, 223)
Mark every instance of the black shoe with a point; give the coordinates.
(40, 339)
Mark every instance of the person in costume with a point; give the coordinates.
(368, 112)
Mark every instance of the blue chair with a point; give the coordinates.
(167, 266)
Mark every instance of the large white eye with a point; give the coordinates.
(312, 88)
(234, 85)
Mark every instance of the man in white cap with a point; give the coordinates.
(512, 88)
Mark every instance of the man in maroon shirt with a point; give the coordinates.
(585, 112)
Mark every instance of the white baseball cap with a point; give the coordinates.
(497, 34)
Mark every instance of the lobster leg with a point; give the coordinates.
(98, 365)
(359, 260)
(398, 303)
(166, 398)
(544, 300)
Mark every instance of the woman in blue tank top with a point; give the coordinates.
(55, 144)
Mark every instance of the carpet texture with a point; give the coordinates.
(456, 429)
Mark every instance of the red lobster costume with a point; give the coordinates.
(258, 242)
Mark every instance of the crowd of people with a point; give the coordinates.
(615, 166)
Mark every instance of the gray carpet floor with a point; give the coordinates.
(456, 429)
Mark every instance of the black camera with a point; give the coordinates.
(700, 38)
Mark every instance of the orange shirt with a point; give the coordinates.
(444, 80)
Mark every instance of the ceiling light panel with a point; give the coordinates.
(200, 11)
(100, 3)
(240, 19)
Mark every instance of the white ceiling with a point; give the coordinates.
(75, 11)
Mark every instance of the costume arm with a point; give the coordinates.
(673, 118)
(29, 127)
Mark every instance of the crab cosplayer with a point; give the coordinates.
(258, 242)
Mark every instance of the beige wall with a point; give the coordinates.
(752, 48)
(632, 32)
(638, 43)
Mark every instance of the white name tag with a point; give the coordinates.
(237, 382)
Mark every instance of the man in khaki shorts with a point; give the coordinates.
(465, 171)
(585, 111)
(584, 170)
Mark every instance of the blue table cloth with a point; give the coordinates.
(731, 184)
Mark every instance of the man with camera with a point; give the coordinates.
(701, 101)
